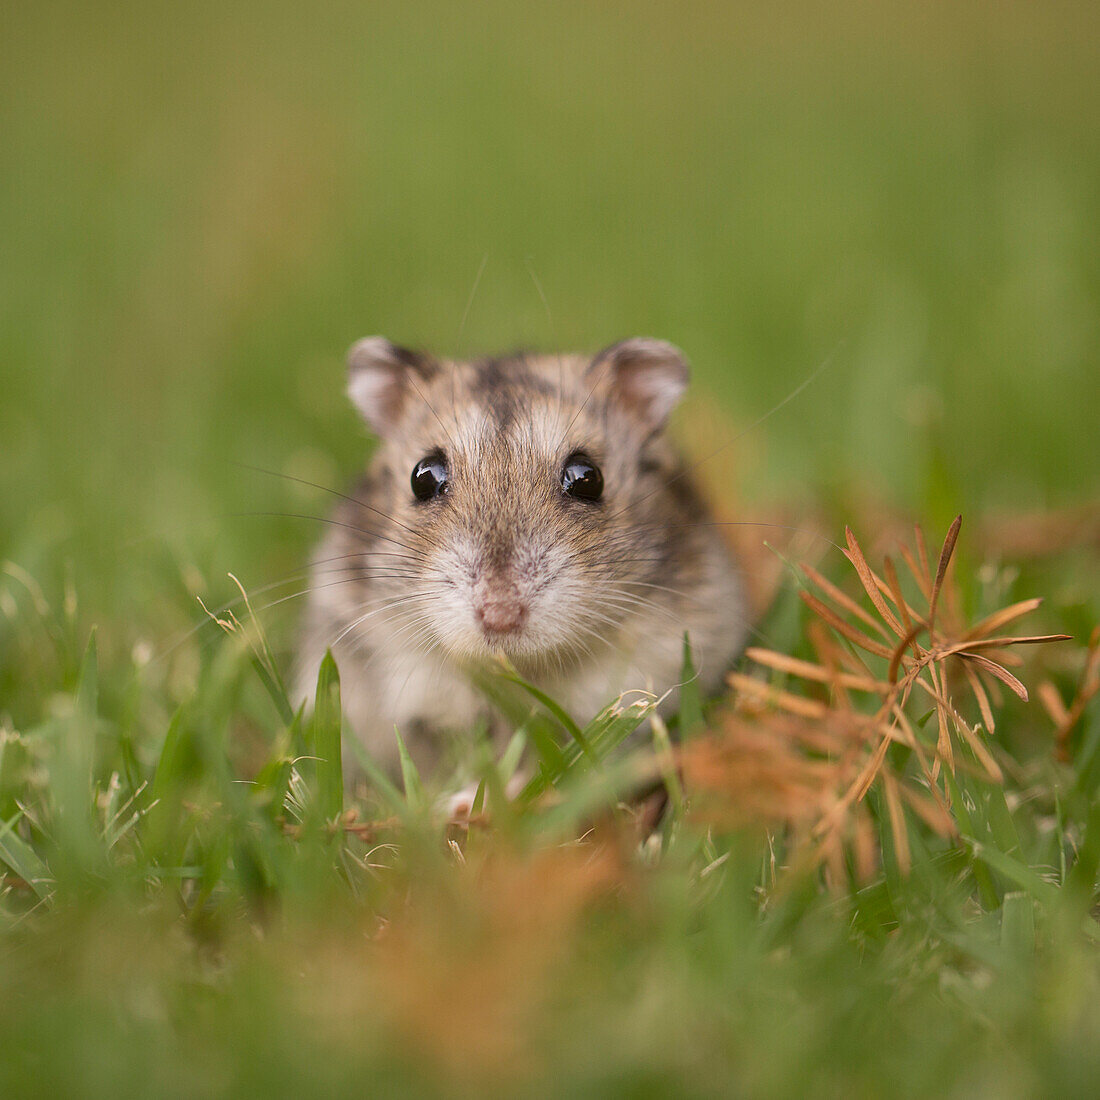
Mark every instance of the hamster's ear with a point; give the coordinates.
(381, 377)
(645, 377)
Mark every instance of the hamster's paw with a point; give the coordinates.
(460, 805)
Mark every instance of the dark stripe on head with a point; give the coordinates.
(495, 390)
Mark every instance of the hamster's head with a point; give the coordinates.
(524, 502)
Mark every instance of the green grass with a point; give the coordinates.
(170, 928)
(201, 207)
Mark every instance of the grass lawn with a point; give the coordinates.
(877, 874)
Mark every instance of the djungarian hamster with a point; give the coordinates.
(525, 505)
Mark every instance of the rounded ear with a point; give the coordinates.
(647, 378)
(381, 376)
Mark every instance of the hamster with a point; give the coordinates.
(530, 506)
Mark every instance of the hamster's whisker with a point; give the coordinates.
(825, 364)
(623, 586)
(400, 638)
(414, 628)
(627, 599)
(473, 295)
(365, 555)
(370, 534)
(553, 339)
(418, 649)
(759, 574)
(660, 588)
(332, 492)
(387, 605)
(738, 523)
(627, 606)
(431, 408)
(592, 614)
(272, 604)
(233, 604)
(333, 584)
(353, 563)
(454, 375)
(399, 623)
(584, 403)
(592, 634)
(365, 563)
(418, 641)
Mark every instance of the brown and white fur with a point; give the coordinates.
(585, 598)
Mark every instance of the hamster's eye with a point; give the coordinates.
(581, 478)
(429, 477)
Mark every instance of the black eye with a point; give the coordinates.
(581, 478)
(429, 477)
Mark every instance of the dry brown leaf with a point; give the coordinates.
(1002, 618)
(784, 700)
(999, 671)
(919, 577)
(983, 699)
(897, 822)
(842, 598)
(941, 571)
(1052, 703)
(908, 615)
(807, 670)
(853, 635)
(855, 745)
(870, 582)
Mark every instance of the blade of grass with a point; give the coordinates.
(1015, 872)
(1081, 881)
(415, 797)
(263, 661)
(23, 861)
(323, 739)
(79, 850)
(1018, 928)
(513, 754)
(960, 801)
(558, 711)
(381, 783)
(691, 704)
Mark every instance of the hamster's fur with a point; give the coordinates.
(586, 594)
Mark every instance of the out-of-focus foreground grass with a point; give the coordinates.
(201, 206)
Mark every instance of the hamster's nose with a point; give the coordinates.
(504, 615)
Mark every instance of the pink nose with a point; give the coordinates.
(501, 616)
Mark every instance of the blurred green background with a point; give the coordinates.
(202, 205)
